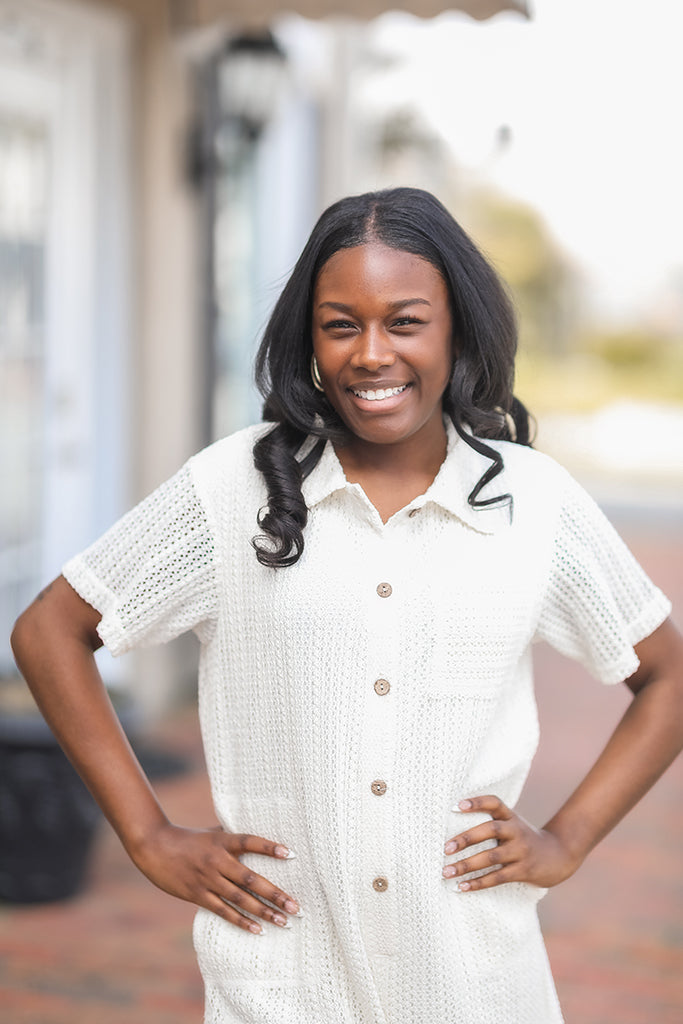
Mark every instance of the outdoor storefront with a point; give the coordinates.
(161, 165)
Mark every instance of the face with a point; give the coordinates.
(382, 336)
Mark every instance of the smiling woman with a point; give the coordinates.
(385, 367)
(367, 700)
(389, 283)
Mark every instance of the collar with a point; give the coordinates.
(458, 474)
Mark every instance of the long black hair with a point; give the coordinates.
(478, 398)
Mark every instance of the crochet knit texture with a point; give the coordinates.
(347, 719)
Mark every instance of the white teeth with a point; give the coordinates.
(380, 393)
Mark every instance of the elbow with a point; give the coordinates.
(661, 661)
(24, 636)
(56, 617)
(18, 634)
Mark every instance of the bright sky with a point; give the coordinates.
(593, 93)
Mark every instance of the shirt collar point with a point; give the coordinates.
(459, 473)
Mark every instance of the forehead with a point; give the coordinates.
(378, 269)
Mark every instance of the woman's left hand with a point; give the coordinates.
(522, 853)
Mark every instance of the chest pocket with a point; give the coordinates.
(476, 649)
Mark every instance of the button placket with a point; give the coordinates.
(380, 894)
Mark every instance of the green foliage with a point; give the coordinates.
(631, 347)
(541, 280)
(596, 374)
(562, 366)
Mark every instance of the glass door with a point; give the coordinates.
(65, 289)
(24, 155)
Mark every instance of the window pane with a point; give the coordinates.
(23, 197)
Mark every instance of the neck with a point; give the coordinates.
(392, 475)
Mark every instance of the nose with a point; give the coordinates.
(373, 349)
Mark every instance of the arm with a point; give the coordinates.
(54, 642)
(645, 742)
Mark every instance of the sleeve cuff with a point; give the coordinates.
(110, 628)
(652, 616)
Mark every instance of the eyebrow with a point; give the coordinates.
(341, 307)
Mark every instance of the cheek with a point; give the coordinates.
(443, 366)
(326, 354)
(328, 366)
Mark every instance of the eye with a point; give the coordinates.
(407, 321)
(338, 325)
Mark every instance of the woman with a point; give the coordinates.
(365, 686)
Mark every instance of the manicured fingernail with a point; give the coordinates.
(449, 871)
(281, 921)
(451, 846)
(255, 928)
(465, 805)
(463, 886)
(284, 853)
(291, 907)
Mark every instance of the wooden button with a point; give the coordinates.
(379, 787)
(382, 687)
(380, 884)
(384, 589)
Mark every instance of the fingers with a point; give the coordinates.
(479, 834)
(203, 867)
(498, 828)
(243, 908)
(492, 805)
(247, 879)
(243, 884)
(243, 893)
(228, 913)
(504, 829)
(487, 881)
(240, 843)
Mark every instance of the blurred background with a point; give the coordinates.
(161, 165)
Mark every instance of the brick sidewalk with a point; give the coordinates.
(121, 953)
(614, 931)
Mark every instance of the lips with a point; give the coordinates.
(378, 394)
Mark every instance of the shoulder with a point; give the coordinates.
(527, 468)
(228, 463)
(544, 493)
(229, 451)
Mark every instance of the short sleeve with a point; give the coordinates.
(599, 602)
(153, 574)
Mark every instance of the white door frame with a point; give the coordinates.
(67, 66)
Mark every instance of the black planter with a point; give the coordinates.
(47, 817)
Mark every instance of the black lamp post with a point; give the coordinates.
(240, 89)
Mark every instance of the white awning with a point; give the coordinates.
(205, 12)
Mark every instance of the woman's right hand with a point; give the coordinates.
(203, 867)
(53, 642)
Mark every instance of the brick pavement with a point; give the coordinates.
(121, 952)
(614, 931)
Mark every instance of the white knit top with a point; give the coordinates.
(316, 682)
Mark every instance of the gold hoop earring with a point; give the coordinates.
(315, 375)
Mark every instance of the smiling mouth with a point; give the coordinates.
(379, 394)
